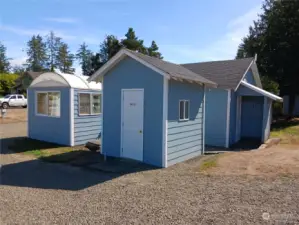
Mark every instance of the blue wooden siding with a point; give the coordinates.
(130, 74)
(86, 127)
(50, 129)
(216, 116)
(184, 137)
(233, 118)
(252, 116)
(250, 78)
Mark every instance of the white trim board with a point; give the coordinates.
(228, 118)
(244, 75)
(72, 130)
(121, 55)
(118, 57)
(262, 92)
(203, 120)
(165, 123)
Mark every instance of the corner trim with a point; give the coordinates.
(165, 123)
(72, 131)
(203, 120)
(102, 131)
(228, 118)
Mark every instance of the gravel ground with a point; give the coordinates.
(35, 192)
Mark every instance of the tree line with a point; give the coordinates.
(274, 37)
(51, 52)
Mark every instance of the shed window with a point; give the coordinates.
(48, 104)
(90, 104)
(184, 110)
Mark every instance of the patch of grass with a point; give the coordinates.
(287, 130)
(46, 151)
(209, 163)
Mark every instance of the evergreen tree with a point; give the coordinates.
(274, 37)
(132, 42)
(37, 55)
(53, 43)
(96, 63)
(84, 55)
(65, 59)
(153, 51)
(4, 61)
(109, 47)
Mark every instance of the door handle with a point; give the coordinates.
(140, 131)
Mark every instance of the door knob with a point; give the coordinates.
(140, 131)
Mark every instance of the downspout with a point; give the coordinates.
(203, 119)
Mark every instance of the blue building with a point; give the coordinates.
(153, 111)
(238, 108)
(64, 109)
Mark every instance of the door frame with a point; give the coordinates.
(123, 90)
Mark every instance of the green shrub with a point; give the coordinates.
(7, 81)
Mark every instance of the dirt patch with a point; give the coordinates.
(277, 160)
(14, 115)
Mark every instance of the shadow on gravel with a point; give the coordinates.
(24, 144)
(40, 174)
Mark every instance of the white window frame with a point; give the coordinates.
(36, 103)
(184, 100)
(90, 104)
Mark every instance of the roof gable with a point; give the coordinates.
(167, 69)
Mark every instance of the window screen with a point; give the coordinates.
(184, 110)
(84, 103)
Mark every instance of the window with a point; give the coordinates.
(90, 104)
(48, 104)
(13, 97)
(20, 97)
(184, 110)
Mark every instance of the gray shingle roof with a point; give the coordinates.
(227, 74)
(174, 70)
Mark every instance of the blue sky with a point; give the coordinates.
(185, 30)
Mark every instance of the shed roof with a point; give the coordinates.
(227, 74)
(59, 79)
(168, 69)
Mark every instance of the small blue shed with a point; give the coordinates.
(153, 111)
(238, 108)
(64, 109)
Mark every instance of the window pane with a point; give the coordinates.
(54, 104)
(42, 103)
(84, 103)
(96, 104)
(186, 109)
(181, 110)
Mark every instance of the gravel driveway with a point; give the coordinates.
(35, 192)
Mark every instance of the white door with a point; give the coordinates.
(132, 124)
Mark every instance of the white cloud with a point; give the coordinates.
(30, 32)
(18, 61)
(224, 48)
(61, 20)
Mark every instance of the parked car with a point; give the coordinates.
(13, 101)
